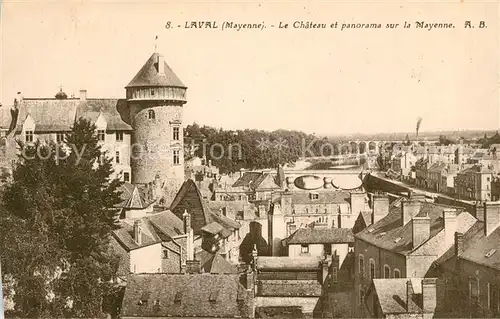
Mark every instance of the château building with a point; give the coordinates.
(142, 133)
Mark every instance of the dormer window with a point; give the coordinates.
(29, 136)
(151, 114)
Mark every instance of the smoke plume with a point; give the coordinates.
(419, 121)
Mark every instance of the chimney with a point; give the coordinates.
(429, 297)
(459, 243)
(450, 226)
(324, 267)
(188, 230)
(138, 231)
(83, 95)
(409, 209)
(380, 207)
(491, 217)
(161, 65)
(357, 202)
(421, 230)
(411, 307)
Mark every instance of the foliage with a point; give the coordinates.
(443, 140)
(254, 149)
(54, 229)
(486, 141)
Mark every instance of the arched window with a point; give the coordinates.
(151, 114)
(397, 273)
(387, 271)
(361, 266)
(372, 269)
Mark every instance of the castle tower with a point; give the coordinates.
(155, 98)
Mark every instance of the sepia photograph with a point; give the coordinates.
(249, 159)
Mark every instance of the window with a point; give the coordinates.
(372, 269)
(387, 271)
(304, 249)
(335, 271)
(175, 133)
(165, 253)
(29, 136)
(119, 136)
(314, 196)
(328, 249)
(177, 159)
(152, 92)
(101, 135)
(361, 266)
(117, 157)
(126, 177)
(151, 114)
(59, 137)
(397, 274)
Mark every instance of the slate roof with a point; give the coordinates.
(287, 263)
(132, 197)
(156, 228)
(184, 295)
(321, 236)
(52, 115)
(389, 233)
(148, 75)
(215, 263)
(256, 180)
(391, 294)
(478, 245)
(448, 259)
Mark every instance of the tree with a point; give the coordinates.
(54, 231)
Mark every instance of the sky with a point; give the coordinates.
(322, 81)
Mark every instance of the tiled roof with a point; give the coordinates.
(282, 263)
(148, 75)
(52, 115)
(183, 295)
(155, 229)
(215, 263)
(389, 233)
(391, 294)
(321, 236)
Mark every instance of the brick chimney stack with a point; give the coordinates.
(450, 226)
(429, 297)
(138, 231)
(380, 207)
(409, 209)
(459, 243)
(421, 230)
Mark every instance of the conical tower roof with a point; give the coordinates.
(151, 74)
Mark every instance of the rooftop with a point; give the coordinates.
(321, 236)
(148, 75)
(183, 295)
